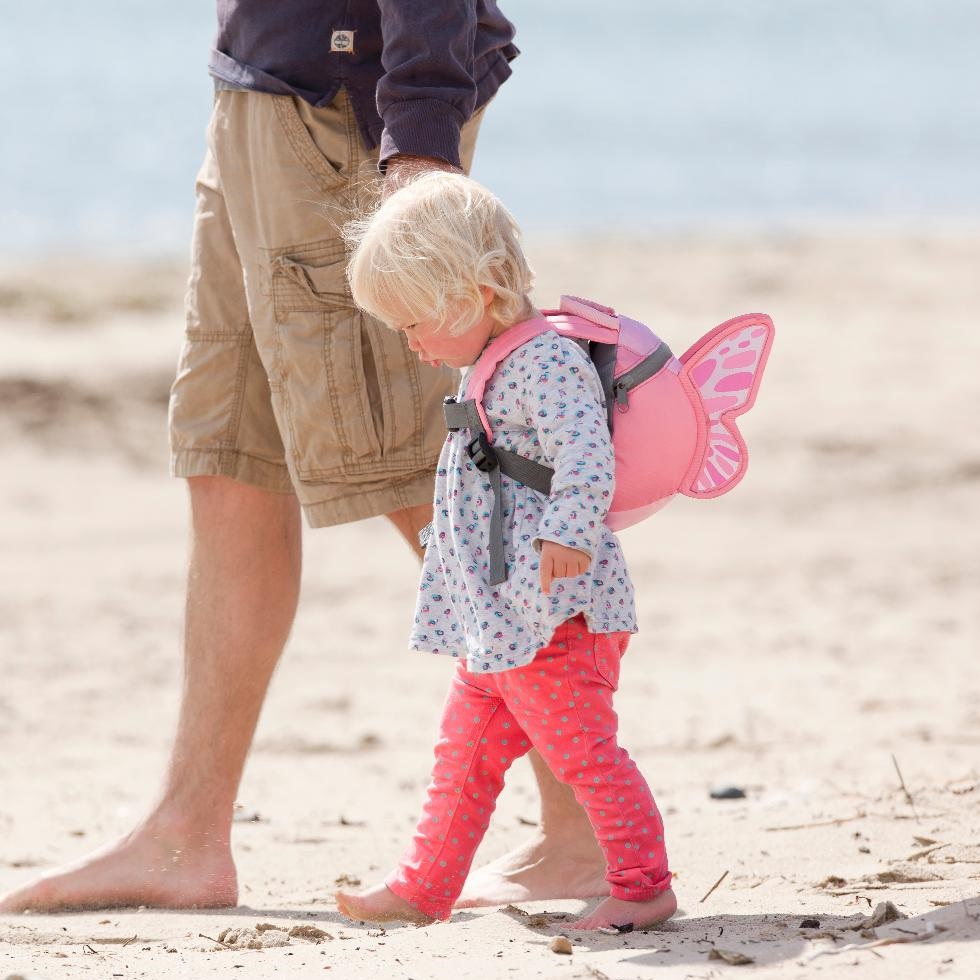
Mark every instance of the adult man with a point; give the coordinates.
(288, 399)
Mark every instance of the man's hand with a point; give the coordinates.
(401, 169)
(557, 561)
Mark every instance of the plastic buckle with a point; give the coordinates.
(483, 454)
(447, 403)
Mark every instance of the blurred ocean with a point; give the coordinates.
(628, 116)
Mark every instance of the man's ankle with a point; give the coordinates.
(177, 826)
(573, 838)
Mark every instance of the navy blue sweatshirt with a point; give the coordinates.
(416, 70)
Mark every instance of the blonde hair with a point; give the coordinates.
(429, 247)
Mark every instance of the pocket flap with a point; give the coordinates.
(308, 278)
(320, 278)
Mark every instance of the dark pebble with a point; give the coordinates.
(728, 793)
(810, 924)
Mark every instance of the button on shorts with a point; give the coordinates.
(282, 382)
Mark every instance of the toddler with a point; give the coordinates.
(539, 653)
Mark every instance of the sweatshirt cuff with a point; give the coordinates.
(421, 128)
(559, 532)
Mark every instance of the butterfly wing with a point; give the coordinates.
(721, 374)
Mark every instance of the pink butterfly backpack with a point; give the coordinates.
(672, 419)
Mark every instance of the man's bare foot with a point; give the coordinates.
(641, 915)
(543, 867)
(146, 867)
(379, 904)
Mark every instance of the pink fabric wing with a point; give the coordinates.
(721, 374)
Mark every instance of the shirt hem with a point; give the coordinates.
(477, 665)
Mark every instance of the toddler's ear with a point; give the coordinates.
(488, 295)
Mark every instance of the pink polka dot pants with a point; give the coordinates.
(561, 705)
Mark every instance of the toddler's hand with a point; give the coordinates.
(557, 561)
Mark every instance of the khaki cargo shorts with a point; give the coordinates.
(282, 382)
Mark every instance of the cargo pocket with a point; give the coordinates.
(333, 380)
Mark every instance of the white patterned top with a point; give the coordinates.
(544, 401)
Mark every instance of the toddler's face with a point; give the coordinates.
(433, 344)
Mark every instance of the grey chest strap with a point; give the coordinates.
(492, 461)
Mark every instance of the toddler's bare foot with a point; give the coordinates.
(615, 912)
(380, 904)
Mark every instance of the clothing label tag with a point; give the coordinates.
(342, 42)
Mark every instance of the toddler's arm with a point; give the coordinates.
(563, 402)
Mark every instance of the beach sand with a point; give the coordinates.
(812, 638)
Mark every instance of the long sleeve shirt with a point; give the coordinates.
(545, 402)
(416, 70)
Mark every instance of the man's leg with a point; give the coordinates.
(560, 860)
(409, 522)
(242, 589)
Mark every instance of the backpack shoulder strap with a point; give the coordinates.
(577, 319)
(493, 354)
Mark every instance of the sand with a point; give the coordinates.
(811, 638)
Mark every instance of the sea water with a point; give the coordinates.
(632, 116)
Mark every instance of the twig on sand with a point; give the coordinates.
(922, 854)
(218, 941)
(860, 815)
(918, 818)
(908, 795)
(932, 929)
(713, 887)
(128, 941)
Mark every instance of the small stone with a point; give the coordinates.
(883, 913)
(832, 881)
(311, 932)
(730, 957)
(810, 924)
(728, 793)
(561, 944)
